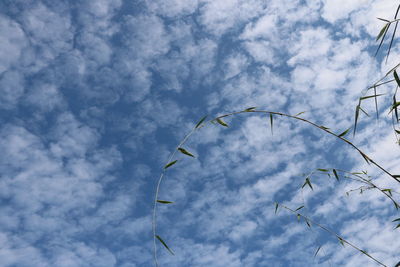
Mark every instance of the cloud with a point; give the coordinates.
(13, 40)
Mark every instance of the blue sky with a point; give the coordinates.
(95, 95)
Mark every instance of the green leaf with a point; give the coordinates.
(299, 113)
(200, 122)
(396, 77)
(370, 96)
(397, 131)
(170, 164)
(341, 241)
(221, 122)
(323, 170)
(344, 133)
(383, 30)
(387, 190)
(184, 151)
(397, 226)
(250, 109)
(271, 119)
(307, 182)
(298, 216)
(165, 245)
(164, 201)
(308, 223)
(365, 157)
(356, 117)
(299, 208)
(396, 220)
(276, 207)
(323, 127)
(316, 252)
(336, 174)
(385, 20)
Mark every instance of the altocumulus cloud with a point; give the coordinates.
(95, 94)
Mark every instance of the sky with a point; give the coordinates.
(95, 96)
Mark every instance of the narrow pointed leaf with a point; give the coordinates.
(271, 119)
(164, 201)
(184, 151)
(398, 226)
(397, 131)
(323, 127)
(250, 109)
(298, 114)
(276, 207)
(316, 252)
(344, 133)
(308, 223)
(170, 164)
(383, 30)
(385, 20)
(341, 241)
(336, 174)
(396, 77)
(165, 245)
(200, 122)
(299, 208)
(220, 121)
(365, 157)
(396, 220)
(356, 117)
(370, 96)
(298, 216)
(323, 170)
(308, 182)
(387, 190)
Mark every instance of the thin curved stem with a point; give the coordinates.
(154, 223)
(332, 233)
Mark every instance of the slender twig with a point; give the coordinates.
(154, 223)
(332, 233)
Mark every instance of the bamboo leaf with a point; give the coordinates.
(385, 20)
(396, 220)
(220, 121)
(397, 226)
(164, 201)
(170, 164)
(299, 208)
(307, 182)
(323, 127)
(370, 96)
(316, 252)
(308, 223)
(250, 109)
(298, 114)
(396, 77)
(387, 190)
(336, 174)
(323, 170)
(165, 245)
(341, 241)
(382, 34)
(276, 207)
(298, 216)
(271, 119)
(365, 157)
(356, 117)
(184, 151)
(383, 30)
(200, 122)
(344, 133)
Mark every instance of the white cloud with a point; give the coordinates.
(12, 40)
